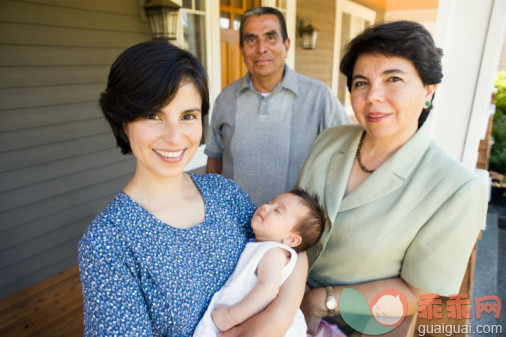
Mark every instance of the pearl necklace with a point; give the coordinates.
(359, 159)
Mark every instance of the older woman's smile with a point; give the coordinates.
(376, 117)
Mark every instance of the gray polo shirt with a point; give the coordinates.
(264, 141)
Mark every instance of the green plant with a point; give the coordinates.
(498, 152)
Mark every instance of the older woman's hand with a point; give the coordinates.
(313, 307)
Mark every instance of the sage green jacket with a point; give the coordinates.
(417, 216)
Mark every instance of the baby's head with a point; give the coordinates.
(294, 218)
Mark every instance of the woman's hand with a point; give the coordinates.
(313, 307)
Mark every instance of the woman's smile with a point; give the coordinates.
(376, 117)
(170, 154)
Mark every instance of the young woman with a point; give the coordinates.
(151, 261)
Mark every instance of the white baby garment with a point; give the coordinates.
(242, 281)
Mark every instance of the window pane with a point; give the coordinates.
(238, 3)
(225, 2)
(250, 3)
(225, 20)
(199, 5)
(237, 21)
(195, 42)
(194, 35)
(187, 4)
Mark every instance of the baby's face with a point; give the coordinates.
(275, 221)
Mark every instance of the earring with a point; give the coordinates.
(428, 104)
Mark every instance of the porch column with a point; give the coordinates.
(471, 34)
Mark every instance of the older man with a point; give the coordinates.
(263, 124)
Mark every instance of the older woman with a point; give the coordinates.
(151, 261)
(404, 214)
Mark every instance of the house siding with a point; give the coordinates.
(58, 162)
(315, 62)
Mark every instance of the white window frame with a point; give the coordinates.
(290, 17)
(213, 55)
(356, 11)
(180, 33)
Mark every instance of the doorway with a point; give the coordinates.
(232, 65)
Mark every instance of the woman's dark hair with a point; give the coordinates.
(311, 226)
(145, 78)
(259, 11)
(406, 39)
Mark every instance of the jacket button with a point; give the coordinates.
(316, 252)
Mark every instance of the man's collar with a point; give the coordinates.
(289, 81)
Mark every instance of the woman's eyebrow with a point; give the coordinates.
(393, 71)
(362, 77)
(193, 110)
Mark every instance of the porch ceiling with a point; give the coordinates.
(396, 5)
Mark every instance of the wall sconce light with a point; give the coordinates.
(162, 15)
(309, 36)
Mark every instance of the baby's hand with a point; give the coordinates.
(222, 318)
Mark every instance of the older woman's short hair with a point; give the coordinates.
(406, 39)
(145, 78)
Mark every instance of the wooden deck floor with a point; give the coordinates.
(53, 307)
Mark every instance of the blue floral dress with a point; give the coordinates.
(142, 277)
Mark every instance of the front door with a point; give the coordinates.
(232, 65)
